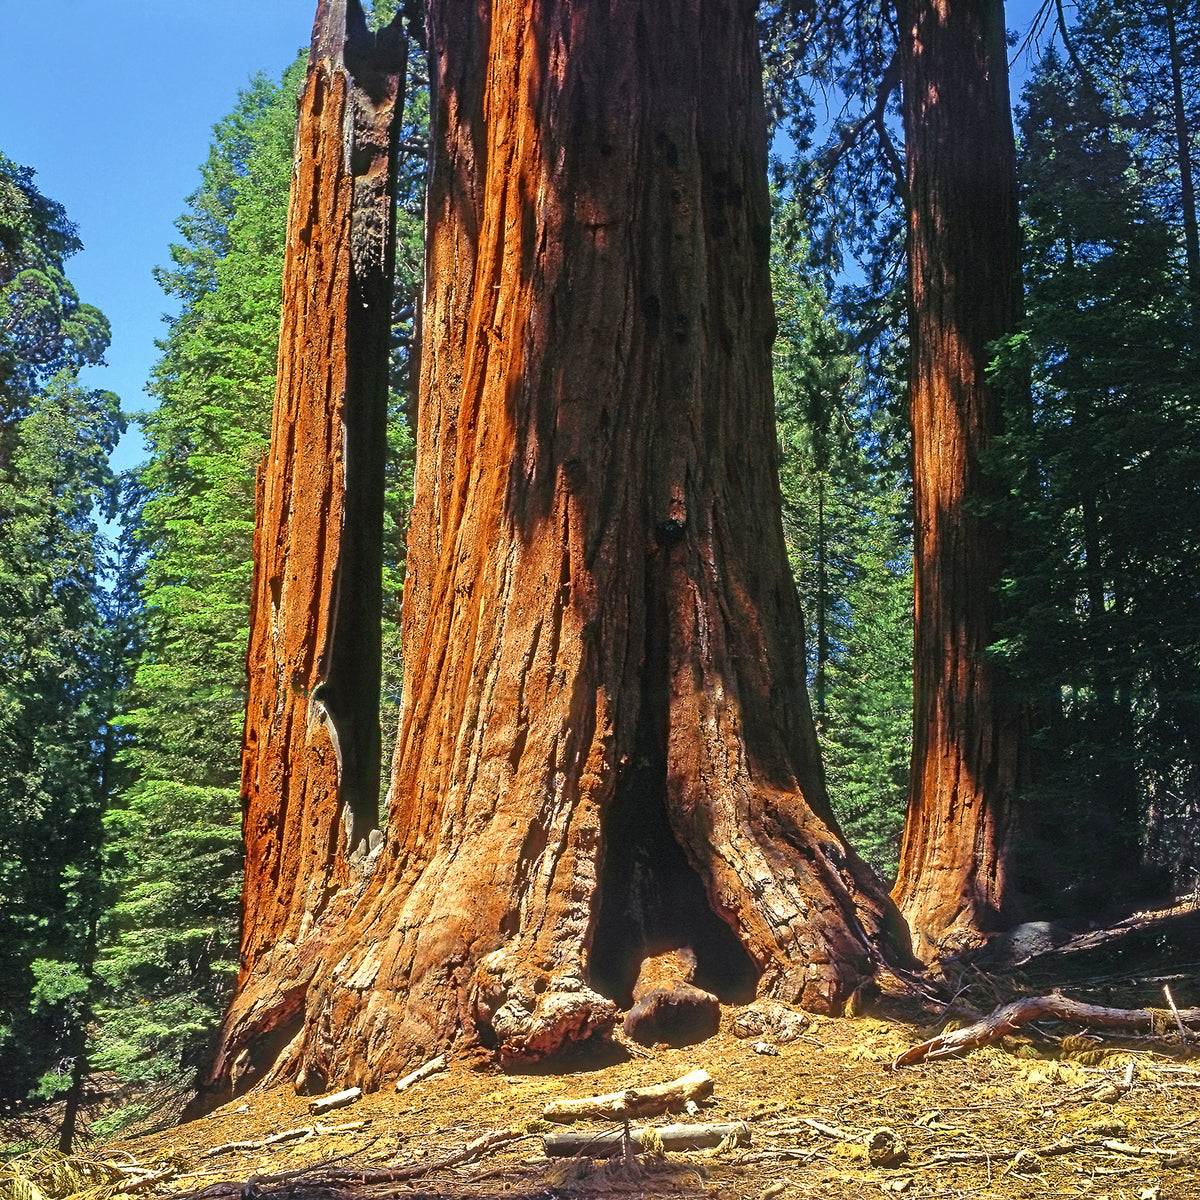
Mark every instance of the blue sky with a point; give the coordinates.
(112, 102)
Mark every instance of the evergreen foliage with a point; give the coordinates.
(44, 328)
(174, 852)
(1105, 634)
(843, 518)
(55, 692)
(56, 680)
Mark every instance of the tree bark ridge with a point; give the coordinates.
(596, 550)
(969, 753)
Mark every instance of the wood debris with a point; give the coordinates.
(1009, 1017)
(634, 1102)
(669, 1137)
(336, 1100)
(303, 1132)
(422, 1072)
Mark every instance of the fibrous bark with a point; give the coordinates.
(310, 759)
(969, 751)
(606, 747)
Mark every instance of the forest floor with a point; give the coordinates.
(1043, 1113)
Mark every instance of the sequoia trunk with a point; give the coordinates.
(964, 291)
(310, 760)
(606, 747)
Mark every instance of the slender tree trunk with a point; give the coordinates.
(310, 759)
(1183, 143)
(964, 290)
(822, 598)
(606, 746)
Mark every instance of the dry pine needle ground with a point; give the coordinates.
(1047, 1113)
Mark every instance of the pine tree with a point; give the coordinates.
(174, 855)
(1103, 468)
(850, 548)
(53, 713)
(44, 328)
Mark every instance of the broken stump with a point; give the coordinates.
(668, 1007)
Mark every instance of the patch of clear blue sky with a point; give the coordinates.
(112, 103)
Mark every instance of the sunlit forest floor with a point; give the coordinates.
(1041, 1114)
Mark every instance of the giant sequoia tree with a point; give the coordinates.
(964, 292)
(606, 746)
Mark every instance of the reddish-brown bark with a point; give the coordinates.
(606, 747)
(310, 760)
(964, 291)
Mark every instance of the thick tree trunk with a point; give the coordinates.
(964, 291)
(606, 747)
(310, 760)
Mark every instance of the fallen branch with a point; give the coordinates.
(1168, 1155)
(1062, 1146)
(831, 1130)
(634, 1102)
(287, 1135)
(147, 1178)
(336, 1100)
(1008, 1017)
(252, 1186)
(422, 1072)
(671, 1137)
(1175, 1012)
(471, 1152)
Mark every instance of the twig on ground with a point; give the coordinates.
(1183, 1038)
(454, 1158)
(831, 1130)
(287, 1135)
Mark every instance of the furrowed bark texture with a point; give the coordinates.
(964, 291)
(310, 759)
(606, 747)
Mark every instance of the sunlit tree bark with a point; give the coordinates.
(310, 759)
(969, 748)
(606, 745)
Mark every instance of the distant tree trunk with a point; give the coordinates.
(964, 290)
(606, 746)
(310, 758)
(1183, 150)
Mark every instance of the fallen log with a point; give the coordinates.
(1054, 1007)
(671, 1137)
(634, 1102)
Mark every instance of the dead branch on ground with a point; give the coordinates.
(422, 1072)
(634, 1102)
(1008, 1017)
(288, 1135)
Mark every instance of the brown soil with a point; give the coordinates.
(1023, 1118)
